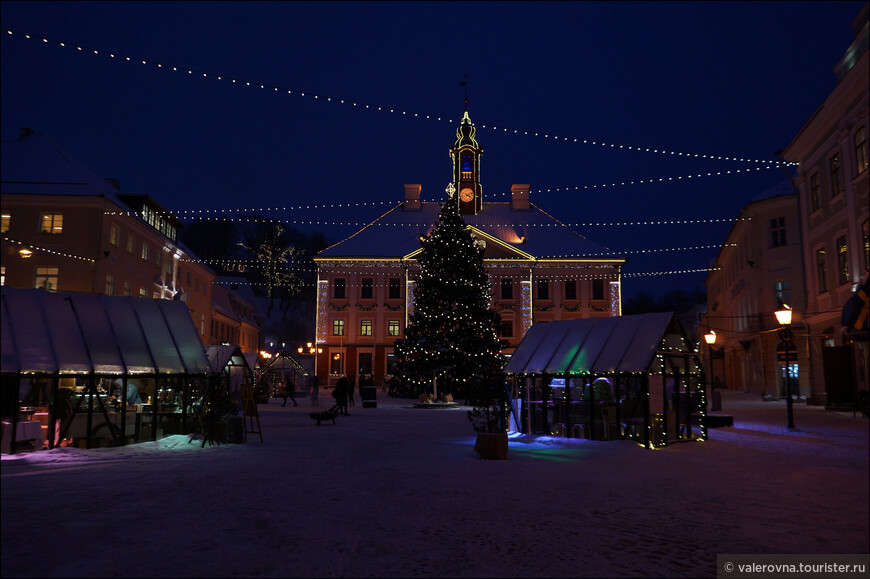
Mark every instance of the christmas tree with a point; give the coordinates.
(452, 336)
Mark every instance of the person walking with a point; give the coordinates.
(349, 387)
(315, 391)
(290, 392)
(340, 395)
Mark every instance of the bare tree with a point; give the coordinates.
(275, 258)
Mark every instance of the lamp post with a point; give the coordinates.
(715, 401)
(783, 316)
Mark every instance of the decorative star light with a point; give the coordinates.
(451, 190)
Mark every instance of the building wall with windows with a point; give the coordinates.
(758, 270)
(81, 234)
(832, 152)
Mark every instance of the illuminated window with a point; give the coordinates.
(821, 270)
(5, 219)
(861, 160)
(507, 289)
(365, 328)
(395, 288)
(131, 243)
(115, 235)
(146, 251)
(158, 257)
(51, 223)
(842, 261)
(110, 284)
(46, 278)
(2, 275)
(393, 328)
(336, 363)
(777, 232)
(597, 289)
(543, 289)
(366, 289)
(155, 295)
(337, 327)
(126, 288)
(338, 288)
(836, 176)
(570, 289)
(466, 166)
(815, 198)
(143, 292)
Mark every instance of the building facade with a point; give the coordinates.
(758, 270)
(832, 154)
(540, 270)
(64, 228)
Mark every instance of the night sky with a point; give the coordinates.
(729, 79)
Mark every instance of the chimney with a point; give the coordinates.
(412, 197)
(520, 197)
(23, 133)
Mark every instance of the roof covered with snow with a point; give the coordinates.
(534, 233)
(72, 332)
(612, 344)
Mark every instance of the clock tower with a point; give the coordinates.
(466, 168)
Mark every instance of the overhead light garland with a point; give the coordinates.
(27, 246)
(395, 110)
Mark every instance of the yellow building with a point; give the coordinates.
(539, 268)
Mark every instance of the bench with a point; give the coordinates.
(325, 415)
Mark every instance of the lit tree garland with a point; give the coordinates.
(452, 336)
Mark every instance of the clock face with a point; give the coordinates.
(466, 195)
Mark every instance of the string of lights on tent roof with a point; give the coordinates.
(395, 110)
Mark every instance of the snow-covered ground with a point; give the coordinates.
(399, 492)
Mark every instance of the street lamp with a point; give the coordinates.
(710, 338)
(783, 316)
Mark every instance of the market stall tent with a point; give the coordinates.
(633, 377)
(84, 348)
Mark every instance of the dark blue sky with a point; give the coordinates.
(731, 79)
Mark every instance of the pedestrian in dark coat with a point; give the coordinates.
(350, 386)
(340, 395)
(290, 392)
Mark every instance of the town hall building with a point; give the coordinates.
(540, 270)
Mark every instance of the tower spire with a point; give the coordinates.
(465, 84)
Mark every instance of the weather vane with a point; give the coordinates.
(465, 84)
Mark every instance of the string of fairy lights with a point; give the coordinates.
(380, 108)
(239, 214)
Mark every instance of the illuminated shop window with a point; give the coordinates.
(5, 220)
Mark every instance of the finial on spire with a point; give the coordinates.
(465, 84)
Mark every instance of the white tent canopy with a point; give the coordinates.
(72, 332)
(597, 345)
